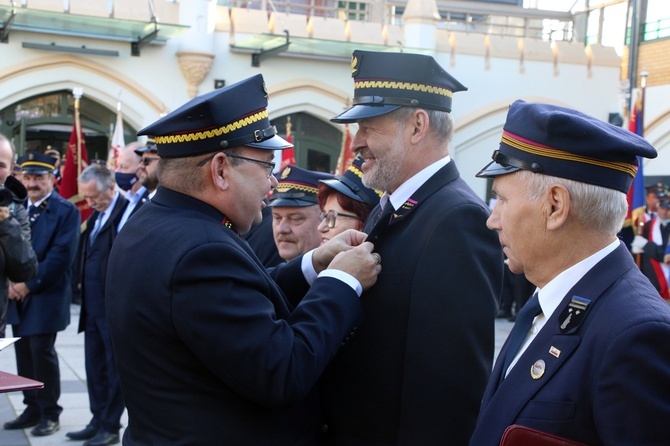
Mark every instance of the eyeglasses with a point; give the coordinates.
(148, 160)
(269, 166)
(331, 217)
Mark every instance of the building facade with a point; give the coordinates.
(154, 56)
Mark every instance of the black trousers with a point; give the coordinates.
(36, 359)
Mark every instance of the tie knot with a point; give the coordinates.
(532, 308)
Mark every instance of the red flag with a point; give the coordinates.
(287, 155)
(346, 155)
(75, 161)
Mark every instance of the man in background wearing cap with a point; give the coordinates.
(55, 154)
(148, 170)
(136, 193)
(40, 308)
(17, 262)
(592, 366)
(208, 348)
(296, 212)
(649, 246)
(415, 371)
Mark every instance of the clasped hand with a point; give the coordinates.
(349, 252)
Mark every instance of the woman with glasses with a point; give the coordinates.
(345, 202)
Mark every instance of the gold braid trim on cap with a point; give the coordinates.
(287, 187)
(546, 152)
(391, 85)
(38, 164)
(356, 171)
(208, 134)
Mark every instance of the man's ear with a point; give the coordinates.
(419, 124)
(558, 207)
(219, 170)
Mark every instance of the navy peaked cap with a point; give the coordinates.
(565, 143)
(297, 187)
(233, 116)
(36, 163)
(350, 183)
(384, 82)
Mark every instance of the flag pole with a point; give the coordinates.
(77, 93)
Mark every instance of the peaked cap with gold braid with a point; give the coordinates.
(350, 183)
(297, 187)
(565, 143)
(384, 82)
(36, 163)
(233, 116)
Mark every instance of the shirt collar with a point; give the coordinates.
(406, 189)
(552, 293)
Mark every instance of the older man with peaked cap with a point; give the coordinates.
(208, 347)
(415, 371)
(296, 212)
(586, 358)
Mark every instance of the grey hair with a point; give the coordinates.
(441, 122)
(102, 176)
(598, 208)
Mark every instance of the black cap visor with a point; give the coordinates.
(363, 111)
(503, 164)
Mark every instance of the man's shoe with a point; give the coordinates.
(22, 421)
(45, 427)
(103, 439)
(85, 434)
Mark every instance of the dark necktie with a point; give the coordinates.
(383, 216)
(31, 210)
(524, 320)
(96, 228)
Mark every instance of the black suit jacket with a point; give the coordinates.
(207, 347)
(415, 371)
(92, 261)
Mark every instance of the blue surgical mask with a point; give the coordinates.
(125, 180)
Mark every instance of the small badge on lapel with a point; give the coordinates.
(553, 351)
(537, 369)
(573, 315)
(405, 209)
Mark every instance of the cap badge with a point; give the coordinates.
(537, 369)
(285, 173)
(354, 65)
(31, 156)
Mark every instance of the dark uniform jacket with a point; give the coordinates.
(54, 236)
(415, 371)
(92, 261)
(606, 378)
(207, 347)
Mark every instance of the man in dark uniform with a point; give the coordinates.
(209, 349)
(295, 211)
(97, 187)
(415, 371)
(40, 308)
(650, 246)
(587, 359)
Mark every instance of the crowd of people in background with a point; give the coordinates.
(225, 302)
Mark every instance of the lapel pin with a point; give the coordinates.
(554, 351)
(537, 369)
